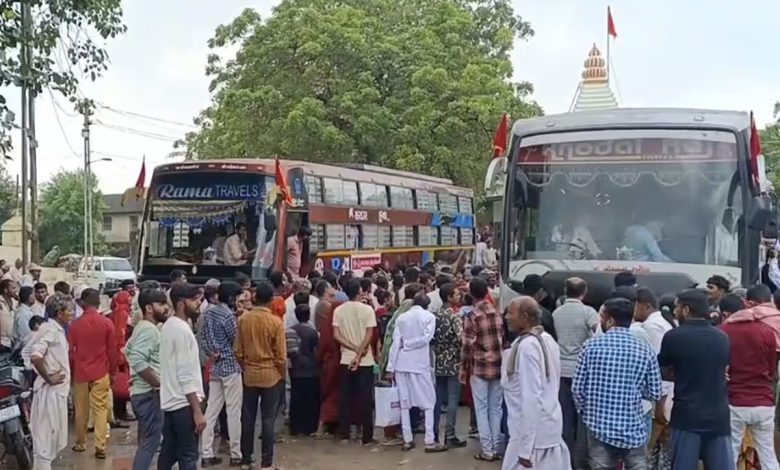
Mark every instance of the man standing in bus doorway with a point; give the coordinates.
(236, 252)
(295, 250)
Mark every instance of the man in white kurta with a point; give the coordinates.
(49, 413)
(530, 377)
(410, 362)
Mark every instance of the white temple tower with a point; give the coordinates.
(594, 91)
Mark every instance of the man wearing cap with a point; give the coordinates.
(181, 384)
(33, 275)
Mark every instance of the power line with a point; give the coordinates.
(130, 130)
(59, 123)
(114, 155)
(144, 116)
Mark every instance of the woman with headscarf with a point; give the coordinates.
(121, 309)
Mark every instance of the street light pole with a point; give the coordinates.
(87, 211)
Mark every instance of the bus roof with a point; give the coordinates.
(736, 121)
(350, 171)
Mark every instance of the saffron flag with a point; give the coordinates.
(611, 24)
(500, 139)
(281, 184)
(139, 189)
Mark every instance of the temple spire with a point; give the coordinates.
(594, 91)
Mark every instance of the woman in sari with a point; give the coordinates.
(329, 358)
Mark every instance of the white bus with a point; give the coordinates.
(670, 194)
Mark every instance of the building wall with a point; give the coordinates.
(120, 229)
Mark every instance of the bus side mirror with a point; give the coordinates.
(760, 213)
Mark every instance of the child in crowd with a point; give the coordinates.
(304, 377)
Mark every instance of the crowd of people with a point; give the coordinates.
(550, 384)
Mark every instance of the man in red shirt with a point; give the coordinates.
(751, 381)
(93, 357)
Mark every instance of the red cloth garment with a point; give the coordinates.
(93, 351)
(278, 306)
(753, 364)
(121, 306)
(765, 313)
(329, 358)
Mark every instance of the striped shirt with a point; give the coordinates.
(261, 348)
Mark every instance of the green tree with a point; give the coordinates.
(63, 51)
(418, 85)
(9, 199)
(62, 213)
(770, 145)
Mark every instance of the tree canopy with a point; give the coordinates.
(770, 145)
(60, 35)
(62, 213)
(8, 195)
(418, 85)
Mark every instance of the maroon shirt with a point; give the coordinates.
(93, 351)
(753, 363)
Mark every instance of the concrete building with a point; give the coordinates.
(120, 223)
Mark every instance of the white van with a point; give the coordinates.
(107, 273)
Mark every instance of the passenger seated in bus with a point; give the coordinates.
(642, 240)
(575, 238)
(236, 252)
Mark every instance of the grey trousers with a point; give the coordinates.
(606, 457)
(689, 447)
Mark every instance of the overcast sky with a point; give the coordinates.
(697, 53)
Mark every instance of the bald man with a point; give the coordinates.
(530, 376)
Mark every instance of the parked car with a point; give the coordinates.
(106, 274)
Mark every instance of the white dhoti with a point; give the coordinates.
(550, 458)
(49, 424)
(416, 391)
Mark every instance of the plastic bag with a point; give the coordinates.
(387, 404)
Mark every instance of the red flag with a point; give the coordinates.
(611, 24)
(499, 140)
(755, 147)
(140, 182)
(139, 189)
(281, 183)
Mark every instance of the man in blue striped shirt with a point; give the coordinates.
(615, 371)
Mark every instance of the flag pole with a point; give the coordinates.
(609, 15)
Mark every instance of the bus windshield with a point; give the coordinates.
(656, 196)
(192, 215)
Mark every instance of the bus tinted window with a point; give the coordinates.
(465, 205)
(401, 198)
(334, 237)
(370, 236)
(448, 203)
(352, 237)
(427, 236)
(334, 191)
(383, 236)
(466, 236)
(314, 187)
(350, 192)
(449, 236)
(426, 201)
(373, 195)
(403, 235)
(317, 240)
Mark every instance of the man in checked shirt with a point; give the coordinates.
(481, 360)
